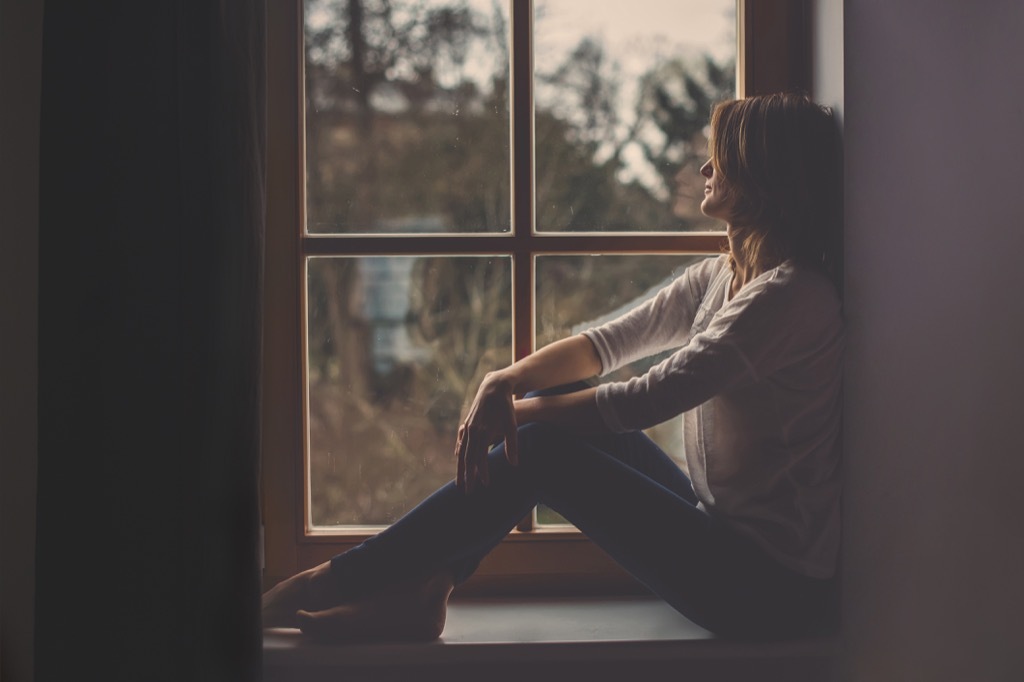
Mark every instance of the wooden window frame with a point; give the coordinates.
(774, 49)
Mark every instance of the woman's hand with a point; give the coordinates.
(491, 419)
(492, 416)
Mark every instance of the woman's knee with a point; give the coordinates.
(535, 444)
(543, 445)
(536, 435)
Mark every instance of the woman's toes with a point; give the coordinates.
(280, 603)
(339, 623)
(372, 622)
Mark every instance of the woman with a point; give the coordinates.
(745, 548)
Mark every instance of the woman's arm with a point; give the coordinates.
(494, 415)
(562, 362)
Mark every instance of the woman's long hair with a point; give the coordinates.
(780, 158)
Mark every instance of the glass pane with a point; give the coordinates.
(397, 345)
(623, 95)
(575, 293)
(407, 116)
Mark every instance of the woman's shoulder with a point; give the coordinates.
(804, 293)
(802, 280)
(811, 282)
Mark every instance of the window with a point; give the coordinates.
(437, 207)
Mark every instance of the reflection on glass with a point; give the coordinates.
(623, 92)
(407, 117)
(575, 293)
(397, 345)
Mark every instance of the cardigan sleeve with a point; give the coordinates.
(767, 327)
(658, 324)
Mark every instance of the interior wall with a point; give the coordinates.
(827, 53)
(934, 461)
(20, 56)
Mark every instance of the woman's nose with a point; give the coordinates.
(707, 170)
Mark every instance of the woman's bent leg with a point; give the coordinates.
(454, 531)
(450, 530)
(623, 493)
(700, 566)
(440, 541)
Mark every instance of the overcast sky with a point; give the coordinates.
(669, 25)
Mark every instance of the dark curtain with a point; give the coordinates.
(151, 247)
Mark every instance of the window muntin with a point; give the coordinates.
(360, 221)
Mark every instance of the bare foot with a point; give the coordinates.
(410, 612)
(309, 590)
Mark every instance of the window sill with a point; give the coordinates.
(603, 638)
(547, 563)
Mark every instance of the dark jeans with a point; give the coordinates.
(627, 496)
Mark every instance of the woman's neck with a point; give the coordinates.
(740, 276)
(742, 271)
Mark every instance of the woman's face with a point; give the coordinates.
(717, 201)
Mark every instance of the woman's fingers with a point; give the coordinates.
(483, 469)
(470, 445)
(512, 445)
(460, 456)
(511, 433)
(468, 464)
(471, 454)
